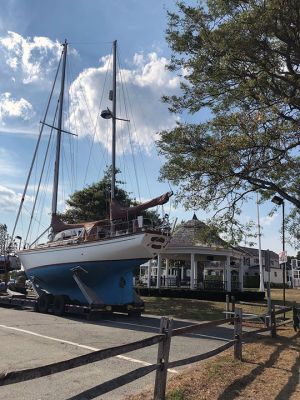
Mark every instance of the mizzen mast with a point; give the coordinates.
(113, 97)
(59, 131)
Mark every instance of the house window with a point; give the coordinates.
(275, 273)
(247, 261)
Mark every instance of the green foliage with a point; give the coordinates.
(92, 203)
(176, 394)
(239, 60)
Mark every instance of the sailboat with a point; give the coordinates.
(92, 263)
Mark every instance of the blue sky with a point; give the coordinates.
(30, 35)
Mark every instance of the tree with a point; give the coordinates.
(3, 237)
(92, 202)
(240, 61)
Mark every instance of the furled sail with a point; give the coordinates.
(118, 212)
(58, 225)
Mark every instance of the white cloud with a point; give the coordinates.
(268, 219)
(12, 108)
(9, 200)
(32, 58)
(145, 83)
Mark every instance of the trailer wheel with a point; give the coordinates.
(44, 302)
(59, 304)
(134, 313)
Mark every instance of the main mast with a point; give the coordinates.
(114, 110)
(59, 130)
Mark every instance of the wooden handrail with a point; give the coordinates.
(191, 328)
(201, 357)
(283, 310)
(50, 369)
(114, 383)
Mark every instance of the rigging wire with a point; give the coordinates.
(129, 132)
(87, 138)
(96, 122)
(41, 176)
(70, 137)
(36, 149)
(42, 199)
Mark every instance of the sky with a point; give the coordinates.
(31, 33)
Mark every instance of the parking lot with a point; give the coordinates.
(30, 339)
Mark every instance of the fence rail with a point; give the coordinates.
(163, 339)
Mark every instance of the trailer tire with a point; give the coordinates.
(44, 302)
(59, 304)
(134, 313)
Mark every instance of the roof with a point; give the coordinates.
(255, 252)
(188, 234)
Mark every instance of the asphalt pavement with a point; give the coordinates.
(30, 339)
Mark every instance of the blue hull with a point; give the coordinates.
(112, 281)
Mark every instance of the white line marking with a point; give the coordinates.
(83, 346)
(156, 329)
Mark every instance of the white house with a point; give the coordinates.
(251, 265)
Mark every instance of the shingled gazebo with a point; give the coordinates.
(188, 259)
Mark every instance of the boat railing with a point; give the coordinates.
(103, 232)
(121, 228)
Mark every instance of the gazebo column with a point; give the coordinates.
(228, 274)
(241, 276)
(158, 271)
(149, 274)
(192, 274)
(167, 280)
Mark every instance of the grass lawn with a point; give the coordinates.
(291, 295)
(270, 366)
(203, 310)
(269, 370)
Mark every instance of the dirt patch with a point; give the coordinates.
(270, 370)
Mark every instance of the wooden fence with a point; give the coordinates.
(163, 339)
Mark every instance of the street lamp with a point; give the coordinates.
(280, 202)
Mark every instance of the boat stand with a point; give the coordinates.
(35, 286)
(90, 296)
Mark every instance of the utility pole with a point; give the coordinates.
(261, 271)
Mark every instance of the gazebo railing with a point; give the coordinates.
(206, 284)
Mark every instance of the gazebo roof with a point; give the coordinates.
(188, 234)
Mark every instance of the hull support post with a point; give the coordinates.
(90, 296)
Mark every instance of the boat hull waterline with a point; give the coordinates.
(105, 266)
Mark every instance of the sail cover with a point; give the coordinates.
(58, 225)
(118, 212)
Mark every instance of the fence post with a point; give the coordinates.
(232, 303)
(238, 320)
(296, 321)
(273, 323)
(163, 359)
(232, 307)
(227, 307)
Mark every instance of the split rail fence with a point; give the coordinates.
(163, 339)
